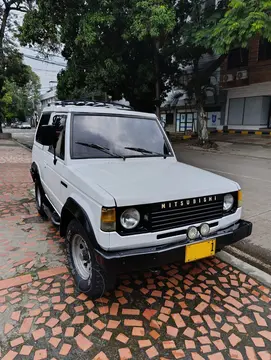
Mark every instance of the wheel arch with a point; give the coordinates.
(72, 210)
(34, 170)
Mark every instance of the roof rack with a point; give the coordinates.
(107, 104)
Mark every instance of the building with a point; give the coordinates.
(179, 112)
(246, 76)
(49, 97)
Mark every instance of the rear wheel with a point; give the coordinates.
(39, 197)
(90, 278)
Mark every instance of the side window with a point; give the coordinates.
(44, 120)
(59, 121)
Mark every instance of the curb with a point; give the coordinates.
(175, 136)
(244, 132)
(252, 271)
(249, 259)
(22, 145)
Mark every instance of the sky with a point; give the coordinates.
(47, 72)
(44, 68)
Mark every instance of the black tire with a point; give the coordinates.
(98, 281)
(39, 198)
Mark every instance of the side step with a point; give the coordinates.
(52, 215)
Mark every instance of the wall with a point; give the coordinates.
(258, 71)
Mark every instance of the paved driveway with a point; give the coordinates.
(205, 310)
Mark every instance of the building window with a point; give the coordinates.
(238, 58)
(169, 119)
(264, 50)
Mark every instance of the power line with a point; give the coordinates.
(45, 70)
(44, 61)
(40, 52)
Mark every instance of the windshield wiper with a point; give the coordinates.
(101, 148)
(145, 151)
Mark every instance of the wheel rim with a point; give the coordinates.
(81, 257)
(38, 197)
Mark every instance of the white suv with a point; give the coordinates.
(108, 176)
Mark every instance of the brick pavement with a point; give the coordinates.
(206, 310)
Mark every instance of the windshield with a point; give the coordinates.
(105, 136)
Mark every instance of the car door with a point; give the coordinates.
(53, 170)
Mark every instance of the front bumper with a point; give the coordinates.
(151, 257)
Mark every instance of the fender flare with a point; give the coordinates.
(34, 171)
(72, 210)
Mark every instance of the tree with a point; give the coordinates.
(21, 101)
(188, 53)
(129, 60)
(141, 47)
(11, 64)
(224, 29)
(242, 20)
(152, 22)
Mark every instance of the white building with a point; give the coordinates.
(49, 97)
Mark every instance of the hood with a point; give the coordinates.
(134, 182)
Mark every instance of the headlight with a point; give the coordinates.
(228, 202)
(129, 219)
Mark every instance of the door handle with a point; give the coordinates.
(63, 184)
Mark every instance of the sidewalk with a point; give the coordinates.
(206, 310)
(250, 146)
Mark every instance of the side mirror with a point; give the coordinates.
(48, 135)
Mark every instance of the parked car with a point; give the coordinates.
(24, 125)
(109, 178)
(17, 124)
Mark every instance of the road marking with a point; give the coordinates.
(232, 174)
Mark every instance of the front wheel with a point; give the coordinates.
(90, 278)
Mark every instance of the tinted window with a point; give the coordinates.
(116, 133)
(44, 120)
(59, 121)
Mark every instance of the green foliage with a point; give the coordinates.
(12, 69)
(120, 46)
(153, 19)
(242, 20)
(105, 45)
(20, 101)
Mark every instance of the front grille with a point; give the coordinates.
(175, 214)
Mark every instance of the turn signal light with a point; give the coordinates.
(108, 219)
(240, 198)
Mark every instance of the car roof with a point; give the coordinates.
(100, 108)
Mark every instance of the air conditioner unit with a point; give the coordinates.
(227, 78)
(241, 75)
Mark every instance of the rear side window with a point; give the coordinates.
(44, 120)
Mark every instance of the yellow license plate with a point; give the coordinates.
(200, 250)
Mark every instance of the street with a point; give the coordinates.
(247, 163)
(26, 137)
(254, 176)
